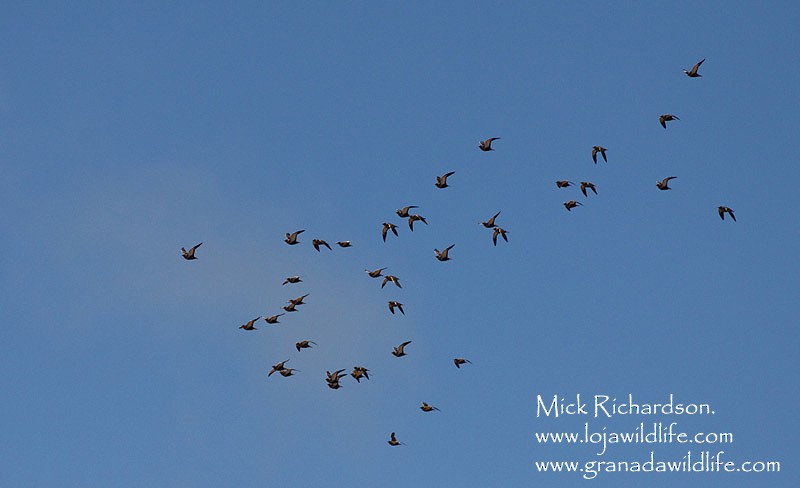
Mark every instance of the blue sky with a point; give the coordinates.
(130, 131)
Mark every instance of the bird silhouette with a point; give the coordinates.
(563, 183)
(393, 304)
(335, 376)
(277, 367)
(663, 119)
(189, 255)
(298, 300)
(498, 231)
(375, 273)
(601, 150)
(443, 255)
(723, 210)
(428, 408)
(441, 181)
(344, 243)
(664, 184)
(273, 319)
(333, 379)
(692, 73)
(487, 144)
(249, 324)
(303, 344)
(571, 204)
(393, 441)
(291, 239)
(585, 185)
(387, 226)
(403, 212)
(292, 279)
(359, 372)
(415, 218)
(459, 361)
(490, 223)
(319, 242)
(399, 351)
(391, 278)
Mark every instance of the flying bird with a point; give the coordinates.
(403, 212)
(414, 218)
(319, 242)
(360, 372)
(286, 372)
(589, 185)
(723, 210)
(393, 304)
(441, 181)
(459, 361)
(291, 239)
(303, 344)
(278, 367)
(487, 144)
(290, 307)
(394, 442)
(375, 273)
(664, 184)
(333, 379)
(442, 255)
(571, 204)
(387, 226)
(601, 150)
(399, 351)
(498, 231)
(292, 279)
(273, 319)
(490, 223)
(298, 300)
(692, 73)
(428, 408)
(391, 278)
(344, 243)
(189, 255)
(663, 119)
(563, 183)
(249, 324)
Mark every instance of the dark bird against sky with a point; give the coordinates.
(601, 150)
(664, 184)
(441, 181)
(291, 239)
(189, 255)
(692, 73)
(487, 144)
(663, 119)
(490, 223)
(723, 210)
(399, 351)
(387, 226)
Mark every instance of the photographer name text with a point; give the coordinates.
(608, 406)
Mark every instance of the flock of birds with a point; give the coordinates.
(358, 372)
(661, 184)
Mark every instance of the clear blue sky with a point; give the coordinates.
(127, 132)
